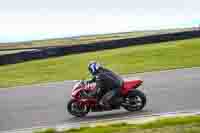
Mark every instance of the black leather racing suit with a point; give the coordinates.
(109, 85)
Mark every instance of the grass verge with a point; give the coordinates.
(161, 56)
(189, 124)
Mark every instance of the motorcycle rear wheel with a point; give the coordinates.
(135, 101)
(74, 108)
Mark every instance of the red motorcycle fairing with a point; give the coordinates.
(75, 93)
(130, 85)
(88, 87)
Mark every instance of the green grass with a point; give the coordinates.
(86, 39)
(162, 56)
(190, 124)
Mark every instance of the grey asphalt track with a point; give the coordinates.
(44, 105)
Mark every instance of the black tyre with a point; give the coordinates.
(74, 108)
(135, 100)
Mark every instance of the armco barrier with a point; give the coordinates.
(65, 50)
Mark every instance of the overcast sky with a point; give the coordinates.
(22, 20)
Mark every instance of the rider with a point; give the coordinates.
(108, 84)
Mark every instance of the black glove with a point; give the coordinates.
(92, 80)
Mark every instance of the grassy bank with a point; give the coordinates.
(177, 54)
(189, 124)
(86, 39)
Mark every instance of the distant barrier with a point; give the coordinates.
(66, 50)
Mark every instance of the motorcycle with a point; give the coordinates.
(81, 102)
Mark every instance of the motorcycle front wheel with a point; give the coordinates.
(134, 101)
(76, 109)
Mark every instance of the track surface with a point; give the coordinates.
(43, 105)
